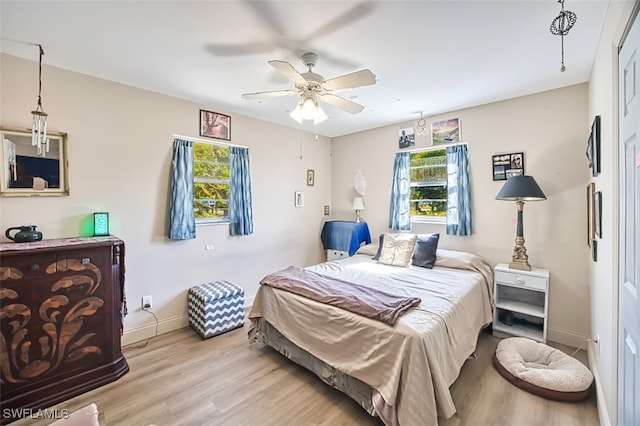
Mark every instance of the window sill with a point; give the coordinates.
(430, 220)
(209, 222)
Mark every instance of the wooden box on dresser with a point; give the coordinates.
(61, 303)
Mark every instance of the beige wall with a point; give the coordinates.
(603, 281)
(551, 128)
(120, 145)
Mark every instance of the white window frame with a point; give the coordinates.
(423, 219)
(209, 221)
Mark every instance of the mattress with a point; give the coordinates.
(409, 366)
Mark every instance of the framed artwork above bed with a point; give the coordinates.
(506, 165)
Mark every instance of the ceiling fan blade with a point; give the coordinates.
(272, 94)
(288, 71)
(357, 12)
(342, 103)
(268, 15)
(349, 81)
(240, 49)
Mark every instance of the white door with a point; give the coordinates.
(629, 285)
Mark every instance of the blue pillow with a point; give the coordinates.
(424, 253)
(377, 256)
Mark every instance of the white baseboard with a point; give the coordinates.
(602, 407)
(248, 301)
(148, 331)
(566, 337)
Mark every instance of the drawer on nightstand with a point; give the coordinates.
(521, 280)
(336, 254)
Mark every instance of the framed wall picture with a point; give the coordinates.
(446, 131)
(597, 214)
(406, 138)
(590, 224)
(299, 199)
(311, 177)
(594, 147)
(506, 165)
(215, 125)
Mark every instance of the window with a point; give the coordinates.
(428, 199)
(211, 182)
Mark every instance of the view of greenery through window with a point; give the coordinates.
(429, 183)
(211, 173)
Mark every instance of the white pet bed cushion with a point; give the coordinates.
(542, 370)
(86, 416)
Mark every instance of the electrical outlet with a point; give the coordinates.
(326, 210)
(146, 302)
(209, 247)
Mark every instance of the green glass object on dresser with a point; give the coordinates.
(100, 224)
(61, 305)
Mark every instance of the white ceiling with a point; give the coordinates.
(428, 56)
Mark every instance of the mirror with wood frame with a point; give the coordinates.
(27, 174)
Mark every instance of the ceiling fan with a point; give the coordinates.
(312, 87)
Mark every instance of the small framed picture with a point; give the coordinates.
(446, 131)
(215, 125)
(507, 165)
(594, 143)
(299, 199)
(597, 213)
(590, 214)
(406, 138)
(311, 177)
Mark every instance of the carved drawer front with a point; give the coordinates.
(17, 267)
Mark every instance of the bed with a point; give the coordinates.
(402, 372)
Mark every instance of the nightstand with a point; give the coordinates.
(521, 302)
(341, 238)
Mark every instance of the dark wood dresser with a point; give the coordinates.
(61, 306)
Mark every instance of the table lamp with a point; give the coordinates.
(520, 189)
(358, 204)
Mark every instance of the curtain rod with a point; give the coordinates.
(433, 148)
(191, 138)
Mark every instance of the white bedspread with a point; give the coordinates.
(412, 364)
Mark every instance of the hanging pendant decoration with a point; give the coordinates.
(421, 126)
(561, 25)
(39, 129)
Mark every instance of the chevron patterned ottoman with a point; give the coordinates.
(215, 308)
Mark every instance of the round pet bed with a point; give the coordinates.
(542, 370)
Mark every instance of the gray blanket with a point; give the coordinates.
(356, 298)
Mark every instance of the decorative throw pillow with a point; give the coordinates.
(377, 256)
(397, 249)
(424, 254)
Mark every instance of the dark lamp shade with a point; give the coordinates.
(522, 188)
(100, 224)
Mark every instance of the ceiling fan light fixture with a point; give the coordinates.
(320, 116)
(308, 109)
(296, 114)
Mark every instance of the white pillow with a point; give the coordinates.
(397, 249)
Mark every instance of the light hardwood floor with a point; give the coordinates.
(180, 379)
